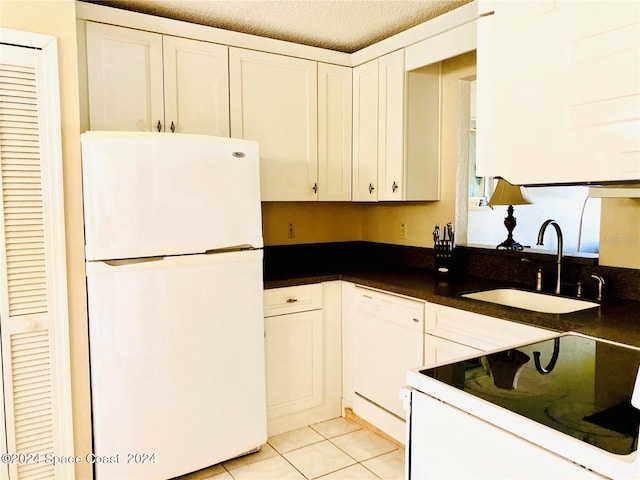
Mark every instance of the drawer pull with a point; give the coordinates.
(292, 300)
(415, 320)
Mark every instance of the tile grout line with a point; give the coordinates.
(294, 467)
(330, 440)
(324, 439)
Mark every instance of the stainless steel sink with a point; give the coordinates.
(534, 301)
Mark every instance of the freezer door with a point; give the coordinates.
(153, 194)
(177, 362)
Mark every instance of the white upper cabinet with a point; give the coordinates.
(559, 92)
(378, 124)
(142, 81)
(396, 131)
(391, 103)
(327, 132)
(365, 132)
(334, 132)
(274, 102)
(125, 78)
(196, 86)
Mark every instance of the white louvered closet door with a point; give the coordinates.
(32, 289)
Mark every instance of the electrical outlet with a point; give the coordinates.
(291, 230)
(403, 231)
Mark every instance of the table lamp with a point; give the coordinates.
(508, 194)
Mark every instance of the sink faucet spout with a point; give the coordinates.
(543, 228)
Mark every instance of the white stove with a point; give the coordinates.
(560, 408)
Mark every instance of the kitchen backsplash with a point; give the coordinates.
(322, 258)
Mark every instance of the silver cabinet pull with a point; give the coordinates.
(394, 187)
(159, 126)
(292, 300)
(371, 188)
(173, 128)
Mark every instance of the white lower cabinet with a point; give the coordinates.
(453, 333)
(338, 345)
(302, 355)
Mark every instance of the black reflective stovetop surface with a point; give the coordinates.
(576, 385)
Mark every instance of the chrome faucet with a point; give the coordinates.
(601, 282)
(543, 227)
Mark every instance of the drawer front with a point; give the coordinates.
(301, 298)
(479, 331)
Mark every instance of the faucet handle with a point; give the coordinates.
(601, 282)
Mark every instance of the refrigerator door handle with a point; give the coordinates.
(131, 261)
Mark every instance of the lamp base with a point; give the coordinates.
(510, 224)
(510, 244)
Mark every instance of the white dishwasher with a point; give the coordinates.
(388, 341)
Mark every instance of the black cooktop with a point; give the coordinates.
(577, 385)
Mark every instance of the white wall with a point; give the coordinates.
(563, 204)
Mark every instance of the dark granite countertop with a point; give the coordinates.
(615, 319)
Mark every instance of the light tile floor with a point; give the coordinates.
(333, 450)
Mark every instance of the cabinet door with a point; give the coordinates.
(391, 126)
(294, 361)
(480, 331)
(567, 83)
(334, 132)
(124, 68)
(438, 350)
(196, 87)
(274, 102)
(365, 132)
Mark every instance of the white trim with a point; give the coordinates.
(449, 44)
(429, 29)
(55, 229)
(52, 135)
(459, 17)
(28, 39)
(151, 23)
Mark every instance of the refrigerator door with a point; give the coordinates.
(177, 362)
(153, 194)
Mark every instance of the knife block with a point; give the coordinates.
(443, 250)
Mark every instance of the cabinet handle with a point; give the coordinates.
(394, 187)
(315, 188)
(173, 128)
(371, 188)
(415, 320)
(292, 300)
(159, 126)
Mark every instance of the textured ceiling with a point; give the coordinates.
(342, 25)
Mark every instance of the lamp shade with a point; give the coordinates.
(508, 194)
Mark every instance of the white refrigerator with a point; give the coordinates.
(173, 238)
